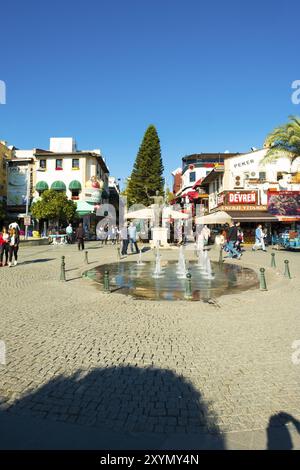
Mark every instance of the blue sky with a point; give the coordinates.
(212, 76)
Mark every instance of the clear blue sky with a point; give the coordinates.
(212, 76)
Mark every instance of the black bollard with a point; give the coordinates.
(86, 260)
(287, 269)
(106, 282)
(273, 262)
(188, 287)
(63, 269)
(262, 281)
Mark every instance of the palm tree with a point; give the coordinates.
(284, 141)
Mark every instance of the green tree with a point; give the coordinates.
(54, 206)
(284, 141)
(147, 174)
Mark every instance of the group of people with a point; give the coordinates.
(231, 238)
(9, 245)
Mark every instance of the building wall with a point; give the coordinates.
(88, 167)
(5, 154)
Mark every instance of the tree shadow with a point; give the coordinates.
(278, 434)
(127, 399)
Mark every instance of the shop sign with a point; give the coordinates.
(243, 207)
(27, 220)
(238, 197)
(93, 195)
(284, 203)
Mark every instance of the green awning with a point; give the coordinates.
(84, 208)
(41, 186)
(75, 185)
(58, 186)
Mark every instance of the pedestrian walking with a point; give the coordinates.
(4, 246)
(80, 236)
(13, 247)
(259, 239)
(232, 237)
(69, 232)
(132, 237)
(124, 240)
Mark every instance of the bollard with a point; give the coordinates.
(86, 260)
(188, 287)
(221, 256)
(262, 281)
(287, 269)
(63, 269)
(106, 282)
(273, 262)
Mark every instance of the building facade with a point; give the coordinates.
(5, 156)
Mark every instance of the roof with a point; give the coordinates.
(210, 177)
(209, 156)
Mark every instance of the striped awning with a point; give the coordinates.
(58, 186)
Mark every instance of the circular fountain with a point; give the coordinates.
(166, 280)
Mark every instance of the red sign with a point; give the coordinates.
(238, 197)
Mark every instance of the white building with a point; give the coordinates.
(82, 175)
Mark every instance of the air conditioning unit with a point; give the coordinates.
(238, 182)
(254, 175)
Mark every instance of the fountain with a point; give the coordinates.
(181, 265)
(158, 269)
(139, 261)
(200, 263)
(207, 266)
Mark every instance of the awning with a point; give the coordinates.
(146, 213)
(84, 208)
(75, 185)
(41, 186)
(252, 216)
(58, 186)
(219, 217)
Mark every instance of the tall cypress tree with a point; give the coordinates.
(147, 174)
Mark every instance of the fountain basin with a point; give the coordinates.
(131, 279)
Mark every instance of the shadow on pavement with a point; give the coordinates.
(136, 407)
(42, 260)
(278, 434)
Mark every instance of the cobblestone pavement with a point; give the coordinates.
(77, 355)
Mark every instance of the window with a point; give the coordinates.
(262, 175)
(59, 164)
(75, 164)
(192, 176)
(75, 195)
(43, 164)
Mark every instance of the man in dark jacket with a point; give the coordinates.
(232, 237)
(80, 236)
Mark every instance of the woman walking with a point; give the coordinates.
(4, 246)
(13, 247)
